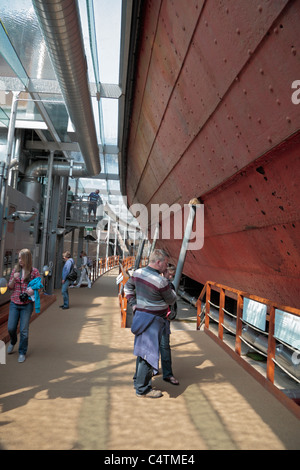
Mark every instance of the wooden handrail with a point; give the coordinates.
(126, 264)
(103, 265)
(268, 302)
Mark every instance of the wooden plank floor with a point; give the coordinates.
(75, 389)
(46, 301)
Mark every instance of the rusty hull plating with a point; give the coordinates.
(213, 118)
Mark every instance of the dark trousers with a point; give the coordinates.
(165, 352)
(143, 376)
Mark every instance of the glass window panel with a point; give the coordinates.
(102, 162)
(112, 164)
(113, 185)
(8, 52)
(108, 30)
(59, 118)
(86, 38)
(21, 24)
(26, 110)
(110, 120)
(3, 117)
(5, 69)
(95, 106)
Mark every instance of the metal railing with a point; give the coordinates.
(103, 265)
(78, 212)
(234, 322)
(126, 264)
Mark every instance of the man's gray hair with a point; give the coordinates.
(158, 255)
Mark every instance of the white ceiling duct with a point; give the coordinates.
(60, 25)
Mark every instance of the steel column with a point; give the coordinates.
(184, 246)
(3, 202)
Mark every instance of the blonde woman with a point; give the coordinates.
(21, 305)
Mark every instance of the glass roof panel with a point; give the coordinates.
(58, 115)
(113, 185)
(108, 31)
(86, 38)
(20, 22)
(112, 164)
(95, 105)
(9, 54)
(5, 69)
(110, 120)
(4, 118)
(101, 30)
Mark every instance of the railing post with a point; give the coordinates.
(239, 325)
(199, 311)
(271, 346)
(221, 312)
(139, 254)
(184, 246)
(207, 305)
(199, 306)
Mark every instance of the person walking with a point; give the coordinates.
(85, 270)
(95, 200)
(68, 266)
(150, 295)
(21, 304)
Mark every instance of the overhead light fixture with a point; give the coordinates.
(3, 285)
(24, 216)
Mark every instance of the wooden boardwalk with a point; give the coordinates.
(75, 389)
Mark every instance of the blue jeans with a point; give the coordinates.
(165, 352)
(65, 292)
(143, 376)
(22, 313)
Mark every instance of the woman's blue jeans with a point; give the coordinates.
(22, 313)
(65, 292)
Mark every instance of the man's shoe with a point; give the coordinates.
(172, 380)
(10, 348)
(61, 306)
(21, 358)
(65, 308)
(151, 394)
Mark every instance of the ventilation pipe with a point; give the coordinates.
(30, 185)
(60, 25)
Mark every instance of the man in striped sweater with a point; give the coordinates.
(150, 295)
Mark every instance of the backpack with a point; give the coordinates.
(72, 276)
(89, 263)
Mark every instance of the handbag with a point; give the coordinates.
(72, 276)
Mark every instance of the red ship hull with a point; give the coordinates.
(215, 117)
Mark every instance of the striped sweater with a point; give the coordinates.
(149, 291)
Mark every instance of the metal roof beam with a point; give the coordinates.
(37, 85)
